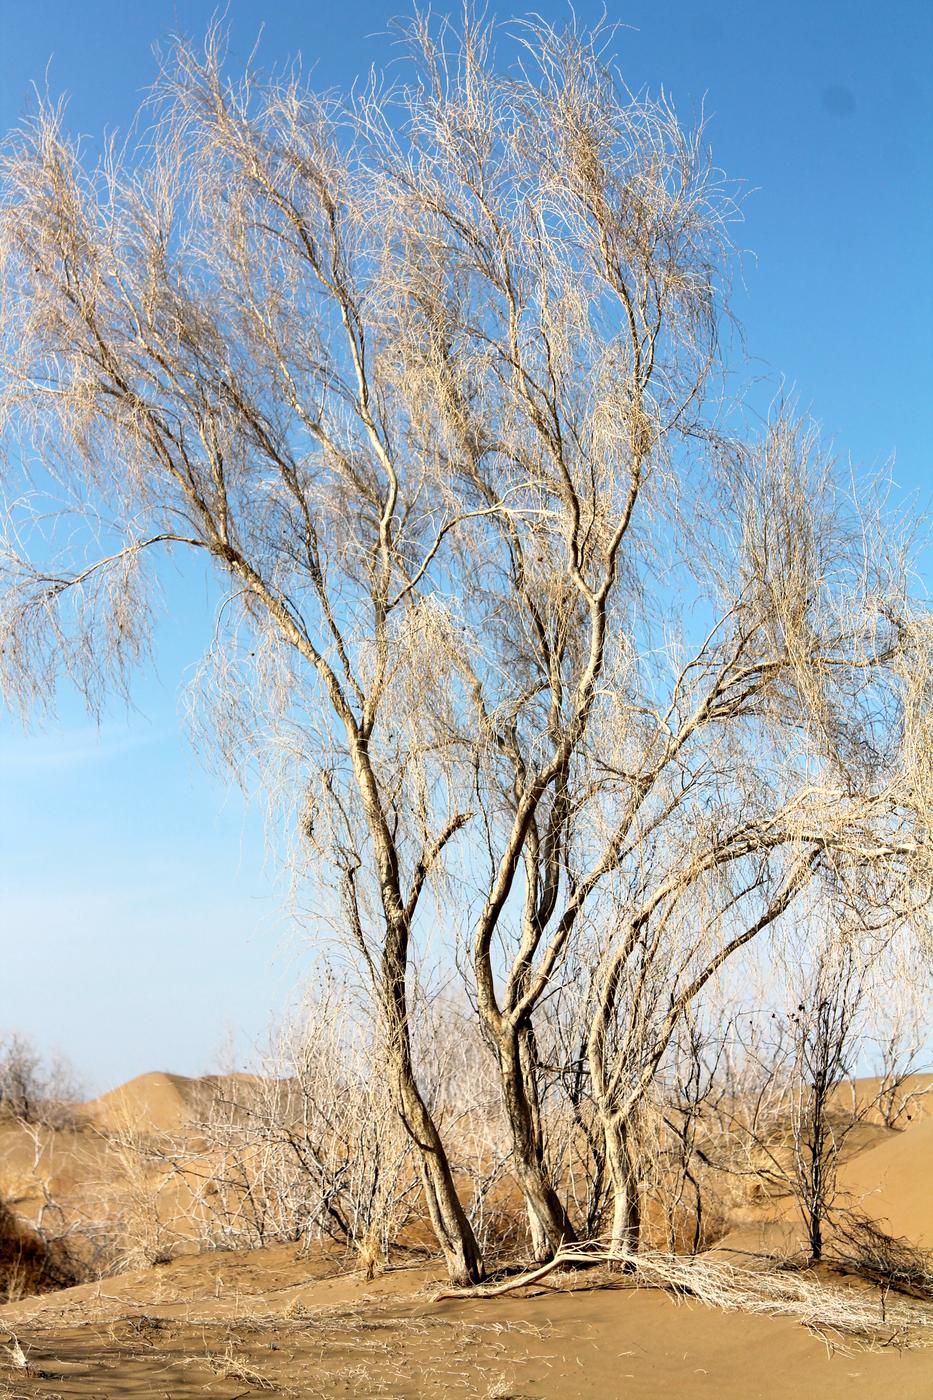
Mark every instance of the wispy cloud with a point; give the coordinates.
(36, 754)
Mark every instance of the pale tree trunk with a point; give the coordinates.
(626, 1207)
(548, 1221)
(448, 1218)
(541, 1250)
(541, 1247)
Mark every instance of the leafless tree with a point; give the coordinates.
(680, 1121)
(426, 375)
(780, 779)
(33, 1089)
(823, 1032)
(798, 1089)
(22, 1086)
(899, 1033)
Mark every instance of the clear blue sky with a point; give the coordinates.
(138, 918)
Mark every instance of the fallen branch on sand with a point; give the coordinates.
(561, 1258)
(819, 1307)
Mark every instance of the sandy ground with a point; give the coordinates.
(254, 1323)
(279, 1323)
(893, 1182)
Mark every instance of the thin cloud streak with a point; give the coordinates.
(37, 754)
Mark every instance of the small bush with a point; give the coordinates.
(34, 1091)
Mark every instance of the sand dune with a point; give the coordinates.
(158, 1102)
(286, 1324)
(155, 1100)
(893, 1182)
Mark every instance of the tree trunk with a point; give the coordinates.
(549, 1223)
(448, 1218)
(816, 1238)
(816, 1204)
(626, 1207)
(541, 1250)
(451, 1226)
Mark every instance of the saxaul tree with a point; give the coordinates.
(427, 376)
(777, 780)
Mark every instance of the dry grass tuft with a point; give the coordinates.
(234, 1368)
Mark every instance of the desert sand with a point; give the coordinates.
(284, 1322)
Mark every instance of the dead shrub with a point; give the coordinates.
(860, 1246)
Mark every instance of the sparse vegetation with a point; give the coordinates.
(33, 1090)
(434, 395)
(598, 717)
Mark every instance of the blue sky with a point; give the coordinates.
(139, 917)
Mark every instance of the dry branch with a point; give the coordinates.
(818, 1306)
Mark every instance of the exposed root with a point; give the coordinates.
(561, 1258)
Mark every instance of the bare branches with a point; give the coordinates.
(826, 1310)
(426, 375)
